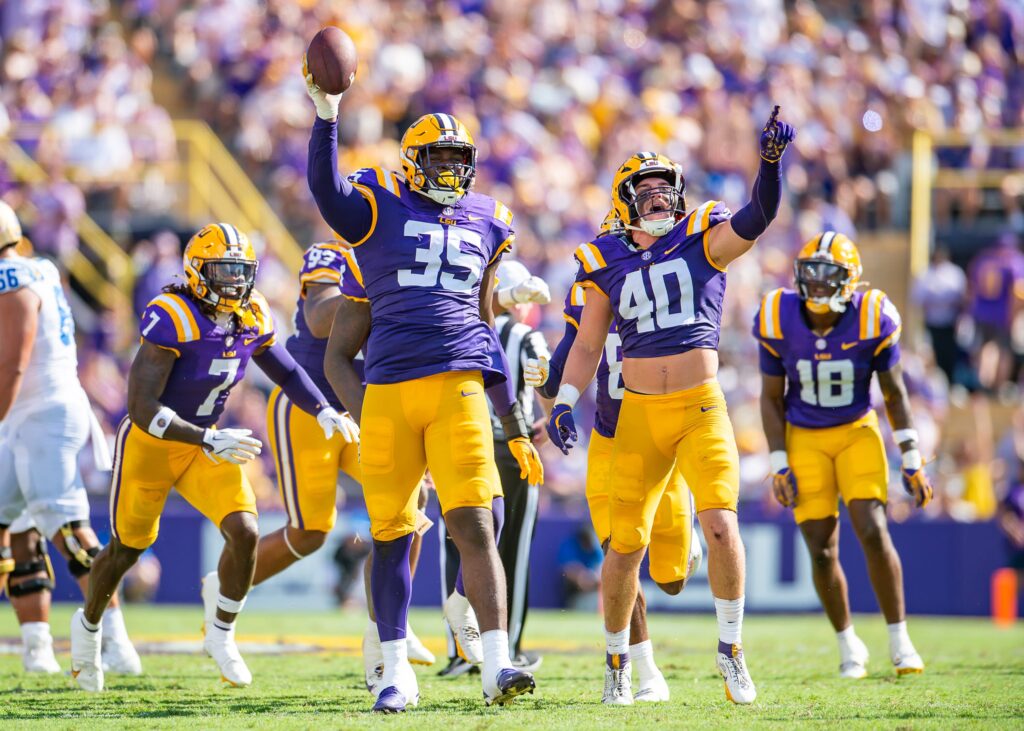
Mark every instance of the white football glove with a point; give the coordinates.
(533, 290)
(536, 371)
(326, 104)
(234, 445)
(334, 423)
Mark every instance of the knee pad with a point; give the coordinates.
(39, 575)
(6, 565)
(80, 559)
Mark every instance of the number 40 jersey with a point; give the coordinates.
(828, 377)
(422, 264)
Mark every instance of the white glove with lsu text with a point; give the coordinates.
(334, 423)
(536, 372)
(533, 290)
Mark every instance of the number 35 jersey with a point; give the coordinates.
(422, 264)
(666, 299)
(828, 378)
(210, 360)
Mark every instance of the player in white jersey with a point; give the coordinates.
(45, 421)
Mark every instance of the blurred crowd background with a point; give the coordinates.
(557, 94)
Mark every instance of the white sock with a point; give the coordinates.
(898, 636)
(395, 653)
(617, 643)
(217, 631)
(90, 626)
(496, 657)
(113, 624)
(846, 635)
(730, 619)
(34, 631)
(642, 656)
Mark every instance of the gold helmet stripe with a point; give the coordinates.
(825, 244)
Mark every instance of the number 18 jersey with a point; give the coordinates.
(422, 264)
(666, 299)
(609, 371)
(828, 377)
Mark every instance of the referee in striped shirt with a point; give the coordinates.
(516, 291)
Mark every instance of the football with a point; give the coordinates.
(331, 59)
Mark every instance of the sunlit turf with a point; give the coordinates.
(974, 678)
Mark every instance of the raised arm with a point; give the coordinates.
(349, 331)
(19, 317)
(727, 243)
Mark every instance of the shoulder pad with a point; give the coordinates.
(169, 318)
(17, 273)
(878, 317)
(378, 179)
(769, 316)
(322, 263)
(502, 213)
(590, 257)
(706, 216)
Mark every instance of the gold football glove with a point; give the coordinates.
(526, 455)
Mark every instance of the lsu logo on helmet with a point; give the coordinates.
(656, 210)
(827, 272)
(220, 267)
(439, 158)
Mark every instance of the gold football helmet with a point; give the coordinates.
(611, 224)
(439, 158)
(827, 272)
(654, 211)
(220, 267)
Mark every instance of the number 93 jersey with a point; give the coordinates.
(210, 360)
(422, 264)
(828, 377)
(666, 299)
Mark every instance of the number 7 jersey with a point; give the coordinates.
(828, 377)
(666, 299)
(422, 264)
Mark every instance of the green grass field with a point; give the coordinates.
(974, 678)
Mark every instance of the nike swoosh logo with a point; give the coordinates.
(471, 393)
(471, 217)
(705, 409)
(669, 251)
(249, 341)
(847, 346)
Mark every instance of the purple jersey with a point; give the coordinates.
(828, 376)
(210, 359)
(996, 278)
(610, 388)
(666, 299)
(330, 264)
(421, 265)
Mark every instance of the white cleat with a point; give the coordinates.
(853, 659)
(618, 685)
(220, 645)
(462, 620)
(653, 690)
(418, 653)
(908, 662)
(373, 659)
(37, 655)
(210, 592)
(86, 666)
(399, 690)
(739, 688)
(119, 656)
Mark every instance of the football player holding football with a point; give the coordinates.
(820, 346)
(675, 549)
(45, 423)
(662, 282)
(197, 340)
(428, 248)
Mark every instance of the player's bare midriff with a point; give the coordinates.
(670, 373)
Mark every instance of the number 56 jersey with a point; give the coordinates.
(666, 299)
(828, 378)
(422, 264)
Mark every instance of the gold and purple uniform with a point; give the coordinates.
(428, 355)
(832, 437)
(210, 361)
(307, 463)
(665, 300)
(672, 531)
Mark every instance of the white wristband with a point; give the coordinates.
(905, 435)
(778, 460)
(162, 420)
(568, 395)
(912, 460)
